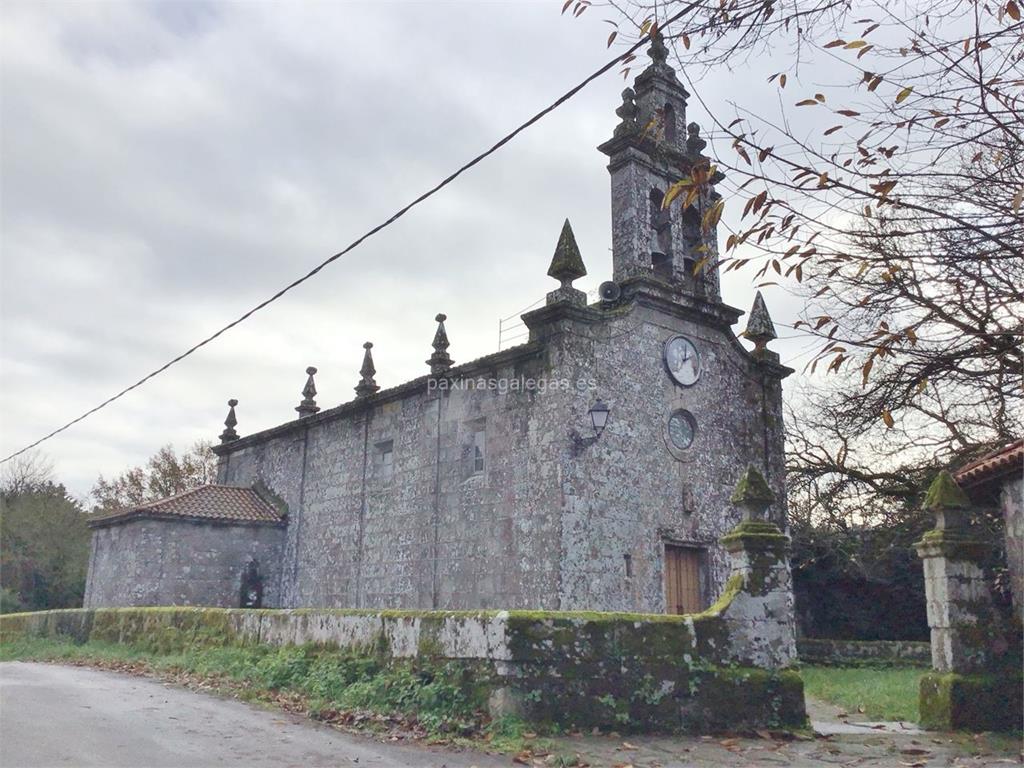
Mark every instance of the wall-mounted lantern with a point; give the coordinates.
(598, 417)
(598, 414)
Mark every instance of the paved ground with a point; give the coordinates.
(71, 716)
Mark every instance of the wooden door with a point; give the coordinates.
(682, 580)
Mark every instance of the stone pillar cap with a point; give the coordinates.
(945, 493)
(752, 493)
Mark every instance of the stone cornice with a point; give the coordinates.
(562, 310)
(658, 156)
(952, 545)
(131, 516)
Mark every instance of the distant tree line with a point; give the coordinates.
(44, 533)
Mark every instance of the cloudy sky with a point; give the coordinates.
(167, 165)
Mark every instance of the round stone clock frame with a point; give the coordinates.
(682, 361)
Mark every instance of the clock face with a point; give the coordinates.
(681, 429)
(682, 360)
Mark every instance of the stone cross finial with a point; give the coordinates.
(308, 405)
(658, 52)
(694, 143)
(760, 328)
(440, 361)
(566, 266)
(230, 423)
(627, 113)
(752, 494)
(367, 386)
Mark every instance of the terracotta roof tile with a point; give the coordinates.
(207, 502)
(1000, 462)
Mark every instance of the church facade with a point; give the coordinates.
(589, 468)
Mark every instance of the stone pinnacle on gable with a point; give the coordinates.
(566, 266)
(308, 405)
(567, 263)
(694, 143)
(367, 385)
(627, 113)
(229, 434)
(760, 328)
(440, 361)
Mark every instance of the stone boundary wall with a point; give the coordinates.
(622, 671)
(864, 653)
(727, 668)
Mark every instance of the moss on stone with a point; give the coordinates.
(952, 544)
(945, 493)
(567, 263)
(752, 490)
(630, 672)
(756, 534)
(732, 588)
(971, 702)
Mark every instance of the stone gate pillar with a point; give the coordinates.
(975, 684)
(761, 616)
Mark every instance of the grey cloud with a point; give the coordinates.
(167, 165)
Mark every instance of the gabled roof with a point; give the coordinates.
(222, 503)
(1007, 460)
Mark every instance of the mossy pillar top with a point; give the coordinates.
(963, 622)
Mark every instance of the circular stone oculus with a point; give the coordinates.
(682, 428)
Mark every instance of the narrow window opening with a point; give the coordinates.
(479, 451)
(383, 458)
(670, 124)
(661, 235)
(628, 559)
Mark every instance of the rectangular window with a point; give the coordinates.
(682, 579)
(479, 451)
(383, 458)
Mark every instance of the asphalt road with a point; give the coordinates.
(69, 716)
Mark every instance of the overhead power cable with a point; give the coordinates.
(355, 243)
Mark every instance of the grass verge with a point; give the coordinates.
(427, 701)
(877, 693)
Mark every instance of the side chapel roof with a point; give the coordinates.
(1007, 460)
(223, 503)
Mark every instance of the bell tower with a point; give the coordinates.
(652, 149)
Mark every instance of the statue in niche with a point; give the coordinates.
(251, 592)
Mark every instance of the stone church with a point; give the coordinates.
(588, 468)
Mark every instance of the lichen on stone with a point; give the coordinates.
(945, 493)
